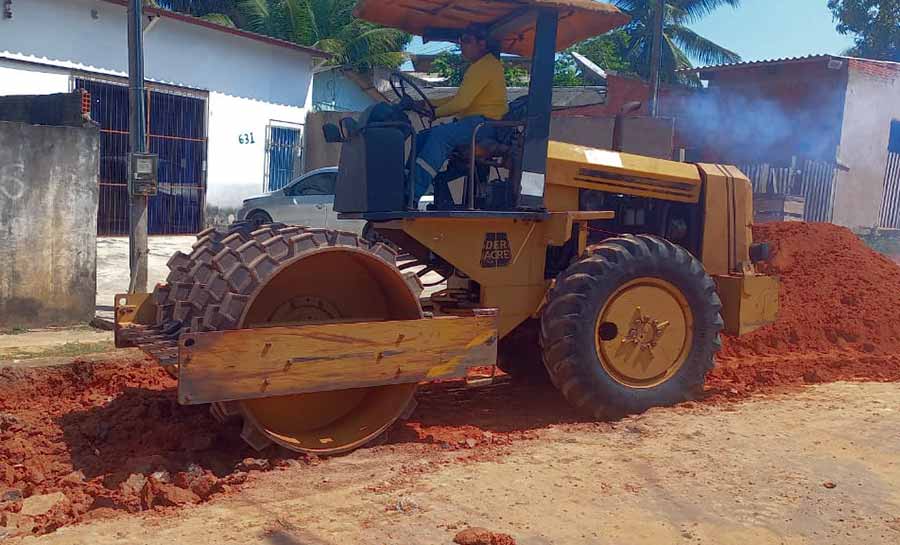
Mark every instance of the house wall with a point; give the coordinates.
(236, 166)
(765, 113)
(333, 91)
(250, 83)
(18, 78)
(873, 100)
(48, 217)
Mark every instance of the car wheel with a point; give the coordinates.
(258, 218)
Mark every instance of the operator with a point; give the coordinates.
(481, 96)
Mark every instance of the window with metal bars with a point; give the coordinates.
(283, 155)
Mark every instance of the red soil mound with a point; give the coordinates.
(109, 438)
(839, 318)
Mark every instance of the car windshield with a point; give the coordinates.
(316, 184)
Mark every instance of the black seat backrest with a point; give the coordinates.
(518, 109)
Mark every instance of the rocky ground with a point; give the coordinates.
(817, 465)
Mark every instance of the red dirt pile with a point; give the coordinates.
(840, 304)
(481, 536)
(93, 440)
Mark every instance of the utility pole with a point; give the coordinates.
(137, 217)
(655, 53)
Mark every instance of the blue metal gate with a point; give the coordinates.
(176, 131)
(283, 151)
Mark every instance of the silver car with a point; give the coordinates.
(307, 200)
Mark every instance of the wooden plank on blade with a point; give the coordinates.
(273, 361)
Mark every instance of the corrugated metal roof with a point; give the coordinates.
(786, 60)
(768, 62)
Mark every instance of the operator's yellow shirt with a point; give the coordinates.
(483, 92)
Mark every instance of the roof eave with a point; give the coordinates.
(705, 72)
(197, 21)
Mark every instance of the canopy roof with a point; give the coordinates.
(512, 21)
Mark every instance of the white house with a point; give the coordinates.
(226, 107)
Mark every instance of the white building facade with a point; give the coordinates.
(226, 108)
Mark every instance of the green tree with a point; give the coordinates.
(566, 72)
(875, 25)
(452, 66)
(223, 12)
(328, 25)
(680, 44)
(609, 51)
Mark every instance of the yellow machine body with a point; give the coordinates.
(517, 282)
(507, 256)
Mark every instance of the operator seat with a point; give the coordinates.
(500, 151)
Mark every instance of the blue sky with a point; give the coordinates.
(767, 29)
(759, 29)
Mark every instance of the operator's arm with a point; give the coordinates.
(474, 81)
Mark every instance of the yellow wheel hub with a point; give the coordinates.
(644, 332)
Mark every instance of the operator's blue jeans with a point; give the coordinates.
(433, 147)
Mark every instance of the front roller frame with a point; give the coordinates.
(275, 361)
(264, 362)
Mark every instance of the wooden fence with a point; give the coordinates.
(812, 180)
(890, 203)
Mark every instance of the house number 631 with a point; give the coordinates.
(246, 138)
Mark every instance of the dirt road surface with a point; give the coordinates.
(819, 465)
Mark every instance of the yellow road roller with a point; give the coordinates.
(612, 274)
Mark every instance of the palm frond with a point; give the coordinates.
(700, 48)
(694, 10)
(219, 19)
(256, 13)
(330, 26)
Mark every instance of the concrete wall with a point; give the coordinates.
(334, 91)
(873, 100)
(48, 224)
(317, 152)
(56, 109)
(640, 135)
(595, 132)
(250, 84)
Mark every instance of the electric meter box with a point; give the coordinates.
(143, 174)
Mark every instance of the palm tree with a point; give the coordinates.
(680, 44)
(223, 12)
(328, 25)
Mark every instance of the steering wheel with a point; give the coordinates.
(399, 82)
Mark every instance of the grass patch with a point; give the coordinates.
(13, 331)
(67, 350)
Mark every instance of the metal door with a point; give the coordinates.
(176, 130)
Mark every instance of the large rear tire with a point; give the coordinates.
(631, 325)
